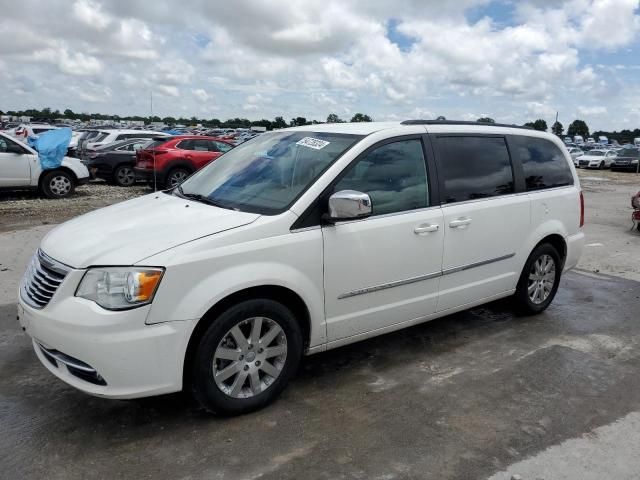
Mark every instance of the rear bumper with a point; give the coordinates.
(146, 174)
(575, 246)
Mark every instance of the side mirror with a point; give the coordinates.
(348, 205)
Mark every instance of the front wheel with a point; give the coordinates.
(246, 357)
(601, 166)
(539, 280)
(57, 184)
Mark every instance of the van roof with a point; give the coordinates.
(366, 128)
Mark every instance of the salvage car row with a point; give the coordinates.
(621, 158)
(119, 157)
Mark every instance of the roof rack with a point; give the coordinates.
(460, 122)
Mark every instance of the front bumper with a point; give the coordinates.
(104, 353)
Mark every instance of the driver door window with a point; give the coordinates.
(393, 175)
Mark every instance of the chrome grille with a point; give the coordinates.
(41, 280)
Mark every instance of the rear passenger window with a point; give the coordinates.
(393, 175)
(543, 163)
(474, 167)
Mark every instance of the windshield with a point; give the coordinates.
(268, 173)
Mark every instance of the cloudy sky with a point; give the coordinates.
(512, 60)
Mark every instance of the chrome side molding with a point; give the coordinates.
(420, 278)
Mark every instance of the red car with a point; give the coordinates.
(169, 161)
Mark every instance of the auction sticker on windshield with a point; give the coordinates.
(311, 142)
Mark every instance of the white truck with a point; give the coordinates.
(20, 169)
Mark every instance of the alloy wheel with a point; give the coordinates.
(250, 357)
(542, 277)
(125, 176)
(60, 185)
(177, 178)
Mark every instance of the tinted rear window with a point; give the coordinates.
(543, 163)
(474, 167)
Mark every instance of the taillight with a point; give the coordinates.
(581, 209)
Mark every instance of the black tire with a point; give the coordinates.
(176, 176)
(57, 184)
(523, 303)
(124, 176)
(204, 388)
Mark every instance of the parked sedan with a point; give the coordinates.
(115, 162)
(627, 159)
(575, 152)
(597, 159)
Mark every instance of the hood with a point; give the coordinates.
(591, 157)
(128, 232)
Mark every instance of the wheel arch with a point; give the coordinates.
(558, 242)
(44, 173)
(277, 293)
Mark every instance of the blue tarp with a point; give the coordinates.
(51, 146)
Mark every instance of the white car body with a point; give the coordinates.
(596, 159)
(25, 131)
(575, 152)
(121, 134)
(356, 279)
(23, 170)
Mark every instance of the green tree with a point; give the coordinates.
(578, 127)
(537, 125)
(68, 113)
(279, 122)
(557, 128)
(262, 123)
(298, 121)
(169, 121)
(334, 118)
(486, 120)
(361, 117)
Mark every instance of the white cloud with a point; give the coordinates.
(201, 94)
(320, 56)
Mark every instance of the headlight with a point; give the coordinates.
(120, 288)
(634, 161)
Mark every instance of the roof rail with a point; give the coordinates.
(460, 122)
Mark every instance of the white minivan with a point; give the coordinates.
(296, 242)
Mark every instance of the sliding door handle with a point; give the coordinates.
(425, 228)
(459, 223)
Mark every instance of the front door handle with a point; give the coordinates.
(425, 228)
(459, 223)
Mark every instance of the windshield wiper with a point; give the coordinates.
(199, 198)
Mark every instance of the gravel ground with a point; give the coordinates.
(19, 210)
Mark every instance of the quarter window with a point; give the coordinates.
(393, 175)
(543, 163)
(474, 167)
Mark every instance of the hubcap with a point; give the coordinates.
(126, 176)
(250, 357)
(177, 178)
(60, 185)
(541, 279)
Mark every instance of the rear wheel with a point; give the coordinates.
(246, 357)
(539, 280)
(176, 176)
(57, 184)
(124, 176)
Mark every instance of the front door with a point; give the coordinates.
(15, 168)
(385, 269)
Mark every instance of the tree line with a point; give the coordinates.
(49, 115)
(577, 127)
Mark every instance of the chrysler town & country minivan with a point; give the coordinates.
(296, 242)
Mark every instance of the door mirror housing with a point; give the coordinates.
(348, 205)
